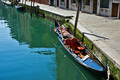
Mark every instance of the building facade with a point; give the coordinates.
(99, 7)
(110, 8)
(115, 8)
(43, 1)
(87, 6)
(65, 4)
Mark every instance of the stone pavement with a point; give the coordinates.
(52, 9)
(103, 26)
(98, 25)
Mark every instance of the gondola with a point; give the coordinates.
(80, 52)
(8, 3)
(4, 2)
(20, 8)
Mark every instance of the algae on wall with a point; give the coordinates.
(114, 71)
(55, 16)
(45, 13)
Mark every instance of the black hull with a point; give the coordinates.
(20, 8)
(102, 73)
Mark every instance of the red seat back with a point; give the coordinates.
(74, 43)
(67, 41)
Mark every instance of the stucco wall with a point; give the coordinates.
(62, 5)
(73, 6)
(43, 1)
(104, 11)
(86, 8)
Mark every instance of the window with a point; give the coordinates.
(104, 3)
(79, 1)
(87, 2)
(73, 1)
(62, 0)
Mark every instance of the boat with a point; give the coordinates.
(4, 2)
(80, 52)
(8, 3)
(20, 8)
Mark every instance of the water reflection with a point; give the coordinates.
(25, 37)
(69, 69)
(45, 51)
(31, 31)
(3, 23)
(28, 36)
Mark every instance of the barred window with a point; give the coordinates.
(87, 2)
(73, 1)
(79, 1)
(104, 3)
(62, 0)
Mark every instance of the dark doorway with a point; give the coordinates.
(119, 12)
(114, 9)
(95, 6)
(67, 4)
(51, 2)
(57, 3)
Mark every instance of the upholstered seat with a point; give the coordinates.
(74, 43)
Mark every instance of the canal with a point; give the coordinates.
(30, 50)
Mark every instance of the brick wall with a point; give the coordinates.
(43, 1)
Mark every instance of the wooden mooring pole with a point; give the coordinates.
(22, 2)
(25, 3)
(83, 37)
(37, 10)
(31, 8)
(77, 16)
(33, 3)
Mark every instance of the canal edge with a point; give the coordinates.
(102, 53)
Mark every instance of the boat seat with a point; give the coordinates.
(81, 56)
(85, 58)
(76, 52)
(64, 32)
(61, 29)
(80, 48)
(67, 35)
(67, 41)
(74, 43)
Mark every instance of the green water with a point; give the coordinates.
(30, 50)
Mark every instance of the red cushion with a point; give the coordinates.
(80, 48)
(76, 52)
(74, 43)
(67, 41)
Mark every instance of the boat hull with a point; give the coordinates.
(8, 3)
(102, 73)
(20, 8)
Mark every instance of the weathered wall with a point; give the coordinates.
(42, 1)
(62, 5)
(86, 8)
(104, 12)
(114, 70)
(47, 14)
(73, 6)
